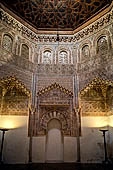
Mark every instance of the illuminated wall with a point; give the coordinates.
(16, 139)
(88, 53)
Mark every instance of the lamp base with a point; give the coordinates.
(106, 162)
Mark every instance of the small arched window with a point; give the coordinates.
(85, 52)
(102, 45)
(47, 57)
(63, 57)
(25, 51)
(7, 42)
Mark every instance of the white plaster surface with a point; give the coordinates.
(39, 149)
(16, 144)
(16, 140)
(70, 148)
(92, 141)
(54, 148)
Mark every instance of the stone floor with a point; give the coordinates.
(63, 166)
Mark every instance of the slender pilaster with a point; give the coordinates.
(31, 114)
(2, 101)
(77, 110)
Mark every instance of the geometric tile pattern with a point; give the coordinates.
(56, 14)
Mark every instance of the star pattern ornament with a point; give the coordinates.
(56, 14)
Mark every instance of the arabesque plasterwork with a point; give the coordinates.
(55, 64)
(77, 36)
(94, 98)
(14, 98)
(55, 102)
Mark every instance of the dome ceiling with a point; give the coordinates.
(56, 14)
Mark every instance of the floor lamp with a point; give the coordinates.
(4, 130)
(105, 148)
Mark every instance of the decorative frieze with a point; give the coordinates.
(14, 98)
(97, 99)
(54, 102)
(56, 69)
(55, 86)
(103, 21)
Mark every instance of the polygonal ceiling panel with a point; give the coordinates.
(56, 14)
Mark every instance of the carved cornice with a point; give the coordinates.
(97, 81)
(53, 86)
(10, 82)
(94, 27)
(56, 69)
(16, 25)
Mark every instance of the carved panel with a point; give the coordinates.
(91, 108)
(85, 53)
(56, 69)
(7, 42)
(0, 96)
(47, 57)
(102, 45)
(61, 114)
(16, 107)
(54, 102)
(41, 119)
(14, 97)
(53, 97)
(14, 103)
(63, 57)
(42, 14)
(97, 98)
(109, 97)
(25, 51)
(14, 24)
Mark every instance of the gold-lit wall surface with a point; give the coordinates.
(93, 137)
(12, 122)
(110, 120)
(16, 141)
(95, 122)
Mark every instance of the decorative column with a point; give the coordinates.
(2, 144)
(4, 91)
(105, 147)
(104, 93)
(77, 111)
(32, 110)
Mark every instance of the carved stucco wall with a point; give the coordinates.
(14, 97)
(72, 44)
(99, 63)
(84, 60)
(97, 99)
(84, 56)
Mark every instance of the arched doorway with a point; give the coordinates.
(54, 142)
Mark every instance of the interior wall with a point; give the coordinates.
(38, 149)
(54, 146)
(16, 143)
(92, 141)
(110, 138)
(70, 149)
(54, 142)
